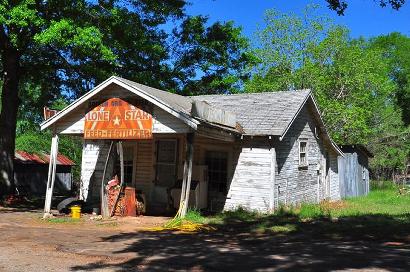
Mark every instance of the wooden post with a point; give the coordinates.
(51, 175)
(121, 153)
(183, 187)
(187, 173)
(104, 200)
(272, 179)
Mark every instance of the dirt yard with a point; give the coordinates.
(30, 244)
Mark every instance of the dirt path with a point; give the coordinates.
(28, 244)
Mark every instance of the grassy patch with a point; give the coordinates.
(382, 212)
(63, 220)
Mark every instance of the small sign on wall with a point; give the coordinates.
(117, 119)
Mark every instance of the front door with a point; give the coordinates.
(165, 170)
(217, 162)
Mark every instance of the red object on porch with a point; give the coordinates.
(130, 204)
(126, 203)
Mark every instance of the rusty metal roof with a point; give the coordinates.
(41, 158)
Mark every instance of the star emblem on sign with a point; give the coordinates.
(116, 121)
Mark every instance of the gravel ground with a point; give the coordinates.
(30, 244)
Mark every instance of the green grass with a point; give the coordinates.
(192, 216)
(382, 213)
(383, 210)
(63, 220)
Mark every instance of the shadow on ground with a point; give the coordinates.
(360, 242)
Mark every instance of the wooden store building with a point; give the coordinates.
(255, 151)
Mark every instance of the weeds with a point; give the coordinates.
(63, 220)
(380, 211)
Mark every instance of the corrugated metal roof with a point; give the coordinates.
(42, 158)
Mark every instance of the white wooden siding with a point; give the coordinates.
(296, 184)
(163, 122)
(92, 167)
(335, 192)
(250, 187)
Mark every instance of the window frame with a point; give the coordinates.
(173, 164)
(306, 152)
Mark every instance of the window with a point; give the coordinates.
(128, 164)
(217, 163)
(166, 163)
(303, 152)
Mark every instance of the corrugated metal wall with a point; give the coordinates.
(354, 176)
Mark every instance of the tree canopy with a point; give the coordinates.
(360, 85)
(341, 5)
(52, 50)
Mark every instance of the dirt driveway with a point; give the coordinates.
(28, 244)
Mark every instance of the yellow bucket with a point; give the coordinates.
(75, 212)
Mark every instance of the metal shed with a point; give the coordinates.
(354, 170)
(31, 172)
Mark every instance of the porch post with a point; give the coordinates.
(186, 184)
(51, 174)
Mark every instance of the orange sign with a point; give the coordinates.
(117, 119)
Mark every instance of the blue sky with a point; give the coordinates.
(363, 17)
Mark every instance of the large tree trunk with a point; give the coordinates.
(8, 119)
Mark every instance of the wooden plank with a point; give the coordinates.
(51, 174)
(187, 173)
(272, 179)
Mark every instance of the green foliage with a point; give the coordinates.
(341, 5)
(68, 47)
(191, 217)
(396, 52)
(349, 79)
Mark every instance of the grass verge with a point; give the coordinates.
(382, 213)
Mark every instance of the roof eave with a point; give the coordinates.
(191, 122)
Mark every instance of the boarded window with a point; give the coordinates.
(303, 152)
(166, 162)
(217, 163)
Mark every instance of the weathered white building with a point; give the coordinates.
(255, 151)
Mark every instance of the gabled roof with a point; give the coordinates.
(24, 157)
(268, 113)
(176, 105)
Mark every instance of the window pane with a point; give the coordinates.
(166, 151)
(303, 146)
(302, 158)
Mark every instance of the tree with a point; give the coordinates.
(341, 5)
(349, 79)
(396, 52)
(61, 49)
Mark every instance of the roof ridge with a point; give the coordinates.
(253, 94)
(134, 82)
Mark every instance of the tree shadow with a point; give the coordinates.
(360, 242)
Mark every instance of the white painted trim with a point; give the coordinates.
(295, 116)
(113, 79)
(304, 140)
(51, 174)
(272, 180)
